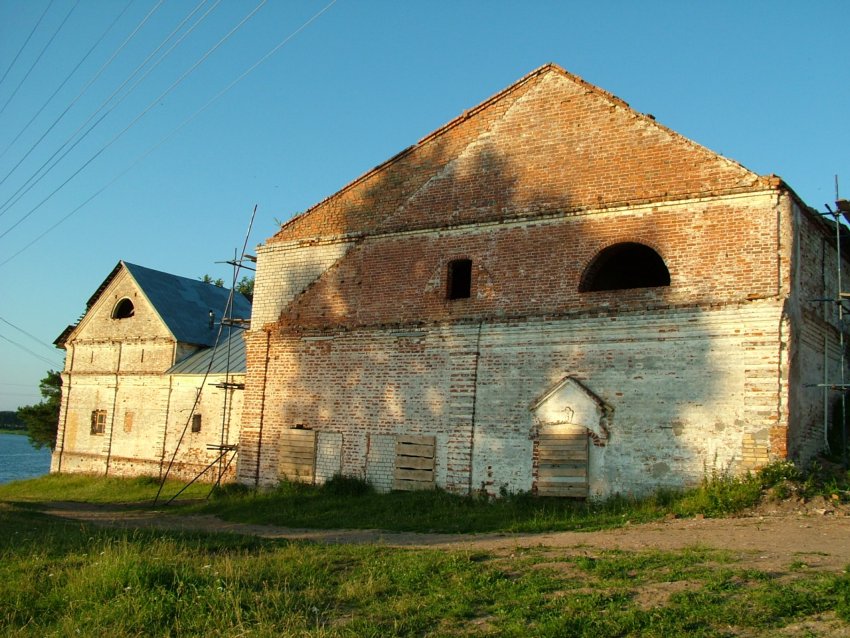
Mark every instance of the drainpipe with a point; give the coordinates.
(165, 424)
(474, 402)
(262, 410)
(114, 406)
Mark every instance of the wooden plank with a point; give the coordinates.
(413, 475)
(302, 451)
(551, 472)
(562, 436)
(571, 491)
(410, 486)
(302, 468)
(561, 455)
(545, 449)
(297, 445)
(293, 435)
(563, 445)
(414, 462)
(407, 449)
(416, 440)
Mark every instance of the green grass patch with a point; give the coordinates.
(349, 503)
(352, 503)
(59, 578)
(95, 489)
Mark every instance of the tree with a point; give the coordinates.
(9, 420)
(42, 419)
(244, 285)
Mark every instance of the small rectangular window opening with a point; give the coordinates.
(459, 279)
(98, 421)
(196, 423)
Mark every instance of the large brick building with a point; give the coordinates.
(552, 292)
(141, 368)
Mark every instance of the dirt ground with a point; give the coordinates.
(815, 534)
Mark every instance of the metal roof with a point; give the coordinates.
(229, 356)
(184, 304)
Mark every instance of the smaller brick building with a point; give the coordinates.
(142, 368)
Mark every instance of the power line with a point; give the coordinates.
(180, 127)
(35, 178)
(65, 81)
(138, 117)
(28, 351)
(46, 46)
(31, 336)
(94, 78)
(23, 46)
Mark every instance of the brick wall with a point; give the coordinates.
(535, 267)
(691, 391)
(815, 348)
(117, 366)
(356, 336)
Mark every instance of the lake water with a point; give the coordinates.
(20, 460)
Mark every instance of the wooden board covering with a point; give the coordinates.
(297, 455)
(562, 457)
(414, 462)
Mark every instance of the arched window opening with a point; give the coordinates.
(624, 266)
(124, 309)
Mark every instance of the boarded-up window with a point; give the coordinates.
(128, 422)
(562, 463)
(98, 421)
(297, 455)
(196, 423)
(414, 462)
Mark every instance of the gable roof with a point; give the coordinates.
(229, 356)
(183, 304)
(548, 116)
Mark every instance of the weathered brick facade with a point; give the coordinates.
(355, 336)
(122, 412)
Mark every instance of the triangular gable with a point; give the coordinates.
(182, 304)
(569, 402)
(549, 142)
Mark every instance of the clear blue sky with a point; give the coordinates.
(764, 83)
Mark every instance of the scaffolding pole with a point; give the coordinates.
(842, 210)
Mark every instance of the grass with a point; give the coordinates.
(350, 503)
(94, 489)
(61, 578)
(13, 431)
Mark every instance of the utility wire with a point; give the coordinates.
(35, 178)
(46, 46)
(31, 336)
(23, 46)
(180, 127)
(30, 352)
(94, 78)
(138, 117)
(67, 77)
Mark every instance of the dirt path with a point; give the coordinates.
(764, 541)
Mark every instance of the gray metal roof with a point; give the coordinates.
(184, 304)
(229, 356)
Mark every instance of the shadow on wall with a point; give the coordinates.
(377, 347)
